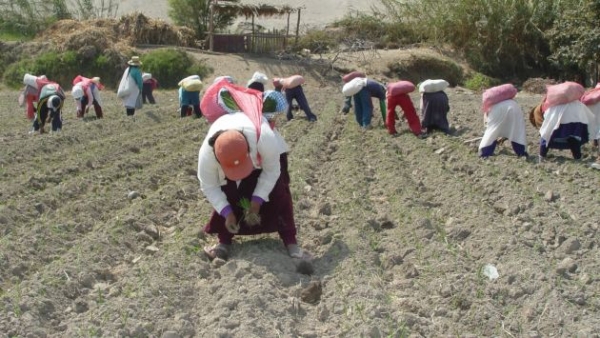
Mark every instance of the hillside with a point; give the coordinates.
(399, 228)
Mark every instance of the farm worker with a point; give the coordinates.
(239, 174)
(258, 81)
(130, 89)
(568, 123)
(189, 96)
(49, 107)
(149, 85)
(29, 93)
(294, 93)
(86, 93)
(274, 104)
(504, 120)
(410, 113)
(434, 112)
(592, 100)
(566, 126)
(376, 90)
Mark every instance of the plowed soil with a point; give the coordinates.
(100, 228)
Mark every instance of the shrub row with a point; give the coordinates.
(168, 65)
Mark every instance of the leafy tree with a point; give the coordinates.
(27, 17)
(196, 14)
(575, 38)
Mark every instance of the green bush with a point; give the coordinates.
(63, 67)
(59, 67)
(170, 65)
(477, 81)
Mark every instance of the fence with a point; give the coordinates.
(259, 43)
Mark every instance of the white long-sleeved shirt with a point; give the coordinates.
(211, 174)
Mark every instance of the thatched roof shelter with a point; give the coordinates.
(250, 11)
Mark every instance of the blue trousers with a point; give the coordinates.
(489, 150)
(298, 94)
(363, 107)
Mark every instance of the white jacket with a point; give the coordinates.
(211, 175)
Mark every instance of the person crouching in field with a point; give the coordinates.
(274, 104)
(397, 95)
(130, 87)
(434, 106)
(292, 86)
(376, 90)
(86, 93)
(568, 123)
(504, 119)
(189, 96)
(49, 108)
(239, 171)
(258, 81)
(29, 93)
(148, 87)
(592, 100)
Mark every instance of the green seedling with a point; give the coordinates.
(251, 218)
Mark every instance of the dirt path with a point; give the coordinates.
(400, 229)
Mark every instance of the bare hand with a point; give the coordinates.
(252, 214)
(231, 224)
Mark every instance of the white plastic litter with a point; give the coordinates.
(490, 272)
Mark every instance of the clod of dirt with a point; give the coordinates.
(392, 260)
(312, 293)
(151, 250)
(153, 231)
(81, 306)
(566, 265)
(570, 245)
(133, 195)
(387, 224)
(220, 261)
(549, 196)
(40, 208)
(325, 209)
(374, 224)
(305, 267)
(409, 270)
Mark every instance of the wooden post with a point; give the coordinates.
(253, 37)
(210, 25)
(287, 31)
(297, 28)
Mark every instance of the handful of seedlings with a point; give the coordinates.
(250, 217)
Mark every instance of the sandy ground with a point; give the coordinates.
(314, 13)
(100, 229)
